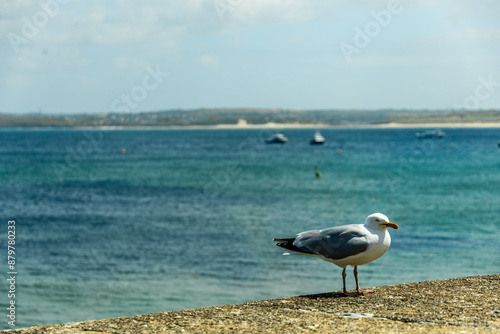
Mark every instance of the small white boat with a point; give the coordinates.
(318, 139)
(431, 134)
(278, 138)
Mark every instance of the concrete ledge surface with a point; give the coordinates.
(458, 305)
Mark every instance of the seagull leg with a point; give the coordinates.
(357, 283)
(356, 278)
(343, 279)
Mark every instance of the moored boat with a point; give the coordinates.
(278, 138)
(318, 139)
(436, 133)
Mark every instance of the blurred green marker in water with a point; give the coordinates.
(317, 172)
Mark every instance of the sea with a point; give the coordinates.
(112, 223)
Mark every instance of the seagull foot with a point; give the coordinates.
(365, 291)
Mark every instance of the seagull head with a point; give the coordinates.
(378, 221)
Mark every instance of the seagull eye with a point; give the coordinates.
(377, 219)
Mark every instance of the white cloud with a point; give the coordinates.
(208, 60)
(111, 42)
(127, 22)
(273, 11)
(125, 63)
(472, 34)
(458, 11)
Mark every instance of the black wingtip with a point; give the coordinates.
(287, 243)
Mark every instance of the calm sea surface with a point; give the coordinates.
(119, 223)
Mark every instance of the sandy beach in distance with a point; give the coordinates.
(244, 125)
(436, 125)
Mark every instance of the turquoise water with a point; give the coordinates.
(118, 223)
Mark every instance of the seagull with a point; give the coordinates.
(346, 245)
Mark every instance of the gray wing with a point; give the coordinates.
(334, 243)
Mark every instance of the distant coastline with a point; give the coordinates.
(285, 126)
(477, 125)
(241, 118)
(243, 124)
(269, 126)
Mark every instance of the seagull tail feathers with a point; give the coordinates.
(284, 240)
(287, 243)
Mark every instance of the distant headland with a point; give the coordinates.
(248, 118)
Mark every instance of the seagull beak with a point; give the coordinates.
(393, 225)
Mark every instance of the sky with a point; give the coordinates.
(75, 56)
